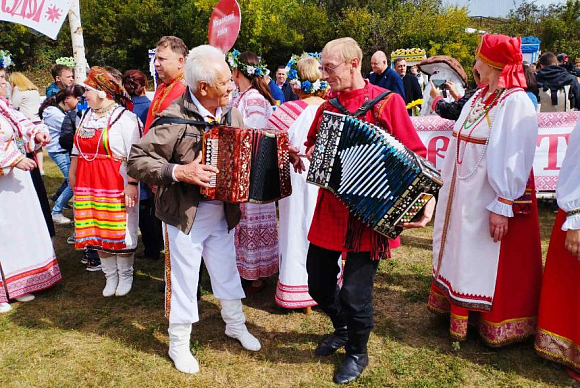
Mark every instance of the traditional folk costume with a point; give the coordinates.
(193, 227)
(102, 146)
(163, 97)
(257, 233)
(487, 169)
(296, 211)
(558, 334)
(28, 262)
(334, 230)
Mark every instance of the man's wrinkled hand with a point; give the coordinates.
(195, 173)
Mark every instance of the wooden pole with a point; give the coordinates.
(78, 43)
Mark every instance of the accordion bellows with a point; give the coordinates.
(253, 164)
(379, 180)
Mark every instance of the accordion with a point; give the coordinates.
(253, 164)
(379, 180)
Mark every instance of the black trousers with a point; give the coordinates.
(151, 231)
(352, 304)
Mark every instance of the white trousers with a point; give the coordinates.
(209, 238)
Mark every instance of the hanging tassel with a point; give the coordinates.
(380, 248)
(354, 233)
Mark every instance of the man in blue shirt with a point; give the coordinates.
(383, 76)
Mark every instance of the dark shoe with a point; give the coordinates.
(351, 368)
(332, 343)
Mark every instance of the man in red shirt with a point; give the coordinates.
(334, 230)
(169, 62)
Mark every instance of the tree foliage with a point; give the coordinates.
(119, 33)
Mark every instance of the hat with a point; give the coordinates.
(432, 64)
(503, 53)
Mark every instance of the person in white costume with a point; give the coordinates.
(297, 210)
(486, 243)
(169, 156)
(27, 260)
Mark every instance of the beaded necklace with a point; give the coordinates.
(478, 111)
(105, 129)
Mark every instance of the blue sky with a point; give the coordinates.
(495, 8)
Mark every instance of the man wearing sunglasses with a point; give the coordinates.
(334, 230)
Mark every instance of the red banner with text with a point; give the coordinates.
(553, 132)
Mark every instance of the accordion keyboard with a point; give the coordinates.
(211, 158)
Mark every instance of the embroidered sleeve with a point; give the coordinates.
(568, 187)
(511, 150)
(256, 111)
(10, 155)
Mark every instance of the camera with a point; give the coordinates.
(440, 84)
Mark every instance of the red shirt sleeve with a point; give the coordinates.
(395, 118)
(311, 138)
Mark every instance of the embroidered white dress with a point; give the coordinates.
(27, 259)
(470, 270)
(256, 238)
(296, 211)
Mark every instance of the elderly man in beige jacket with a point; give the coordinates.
(169, 156)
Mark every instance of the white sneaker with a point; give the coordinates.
(59, 218)
(5, 307)
(25, 298)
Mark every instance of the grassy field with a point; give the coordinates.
(71, 336)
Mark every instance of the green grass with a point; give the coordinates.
(71, 336)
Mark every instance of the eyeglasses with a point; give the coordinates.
(331, 69)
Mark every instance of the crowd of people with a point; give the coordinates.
(132, 163)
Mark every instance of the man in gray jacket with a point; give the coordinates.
(169, 156)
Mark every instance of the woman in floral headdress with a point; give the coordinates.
(106, 217)
(256, 235)
(487, 262)
(297, 210)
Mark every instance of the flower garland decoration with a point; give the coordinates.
(67, 61)
(5, 59)
(248, 70)
(304, 85)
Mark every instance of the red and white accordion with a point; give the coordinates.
(253, 164)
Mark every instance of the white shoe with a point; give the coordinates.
(109, 267)
(179, 334)
(25, 298)
(59, 218)
(235, 320)
(5, 307)
(125, 269)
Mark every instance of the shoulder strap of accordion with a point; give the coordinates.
(364, 108)
(177, 120)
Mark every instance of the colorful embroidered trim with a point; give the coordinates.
(505, 201)
(558, 348)
(572, 212)
(468, 139)
(100, 218)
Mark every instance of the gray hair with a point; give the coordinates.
(201, 65)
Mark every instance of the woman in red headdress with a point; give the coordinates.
(486, 244)
(558, 335)
(106, 217)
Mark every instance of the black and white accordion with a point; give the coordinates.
(380, 181)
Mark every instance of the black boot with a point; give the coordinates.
(332, 343)
(351, 368)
